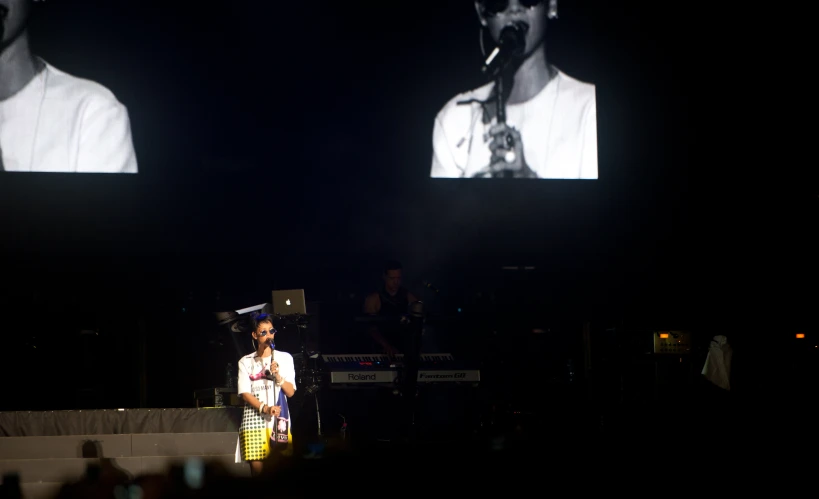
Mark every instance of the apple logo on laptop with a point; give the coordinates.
(287, 302)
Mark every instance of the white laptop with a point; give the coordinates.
(289, 302)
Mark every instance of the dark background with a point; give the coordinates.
(289, 146)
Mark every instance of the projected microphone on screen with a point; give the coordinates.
(531, 120)
(51, 121)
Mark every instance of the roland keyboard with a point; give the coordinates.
(356, 369)
(381, 360)
(390, 376)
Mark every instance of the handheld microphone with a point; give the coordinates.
(267, 373)
(511, 43)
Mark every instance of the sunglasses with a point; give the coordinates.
(265, 332)
(495, 7)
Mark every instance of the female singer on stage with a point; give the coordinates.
(550, 128)
(267, 378)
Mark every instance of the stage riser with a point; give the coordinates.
(40, 490)
(183, 444)
(67, 470)
(114, 446)
(119, 422)
(62, 447)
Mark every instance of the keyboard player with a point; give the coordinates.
(390, 302)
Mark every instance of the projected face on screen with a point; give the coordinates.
(531, 120)
(496, 15)
(51, 121)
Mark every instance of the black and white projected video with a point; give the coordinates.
(50, 120)
(530, 120)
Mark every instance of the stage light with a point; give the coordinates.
(236, 320)
(230, 320)
(800, 336)
(238, 324)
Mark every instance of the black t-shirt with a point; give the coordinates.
(394, 307)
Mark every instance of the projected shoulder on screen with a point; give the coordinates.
(531, 120)
(51, 121)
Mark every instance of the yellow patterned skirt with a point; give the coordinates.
(254, 435)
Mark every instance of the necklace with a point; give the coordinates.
(525, 115)
(554, 76)
(44, 81)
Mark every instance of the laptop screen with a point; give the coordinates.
(289, 302)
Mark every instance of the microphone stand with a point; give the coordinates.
(310, 374)
(513, 38)
(412, 363)
(500, 111)
(500, 107)
(306, 375)
(500, 103)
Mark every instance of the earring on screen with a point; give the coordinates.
(552, 9)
